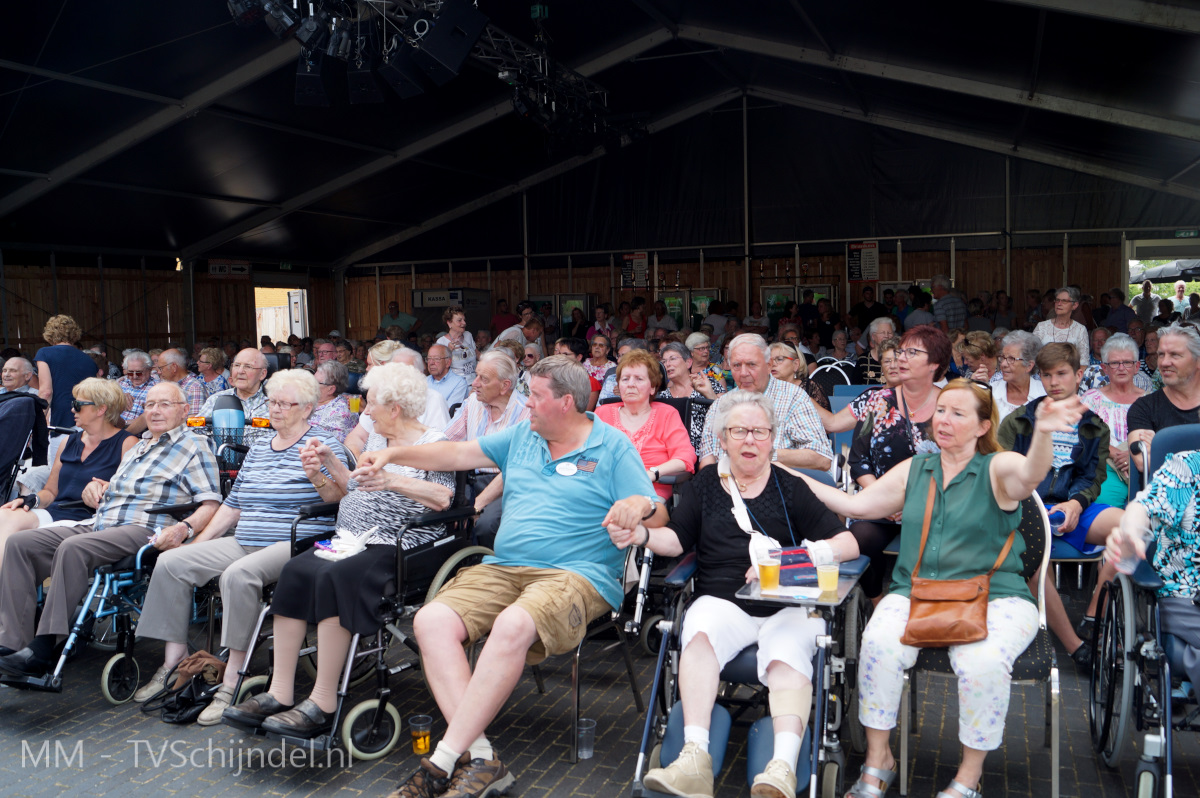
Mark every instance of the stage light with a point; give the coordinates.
(282, 21)
(245, 12)
(313, 32)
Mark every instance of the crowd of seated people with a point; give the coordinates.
(526, 425)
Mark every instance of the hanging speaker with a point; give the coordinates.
(442, 50)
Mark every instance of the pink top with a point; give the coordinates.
(663, 437)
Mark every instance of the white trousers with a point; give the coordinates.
(789, 636)
(984, 669)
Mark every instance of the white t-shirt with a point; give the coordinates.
(436, 415)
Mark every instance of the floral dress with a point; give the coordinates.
(335, 417)
(884, 437)
(597, 372)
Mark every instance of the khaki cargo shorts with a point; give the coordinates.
(560, 602)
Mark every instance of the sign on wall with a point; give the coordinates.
(633, 270)
(863, 265)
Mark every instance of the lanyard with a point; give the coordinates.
(786, 517)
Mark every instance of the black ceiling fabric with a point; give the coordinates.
(865, 118)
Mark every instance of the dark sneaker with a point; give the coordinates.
(1083, 656)
(427, 781)
(1085, 627)
(480, 778)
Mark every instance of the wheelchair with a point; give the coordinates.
(834, 719)
(1136, 672)
(371, 728)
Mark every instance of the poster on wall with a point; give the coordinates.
(676, 310)
(863, 265)
(633, 270)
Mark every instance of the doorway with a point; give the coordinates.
(280, 312)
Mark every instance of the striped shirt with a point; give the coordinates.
(473, 421)
(797, 424)
(386, 511)
(137, 395)
(176, 469)
(271, 487)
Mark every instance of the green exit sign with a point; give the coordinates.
(285, 267)
(1187, 233)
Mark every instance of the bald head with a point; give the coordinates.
(16, 374)
(248, 371)
(438, 361)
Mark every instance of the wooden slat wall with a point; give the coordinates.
(1096, 269)
(224, 308)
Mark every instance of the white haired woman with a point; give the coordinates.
(1062, 329)
(342, 596)
(1017, 362)
(869, 368)
(718, 625)
(93, 453)
(333, 413)
(702, 370)
(273, 483)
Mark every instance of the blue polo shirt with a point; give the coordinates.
(555, 520)
(452, 387)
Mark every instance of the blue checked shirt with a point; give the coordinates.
(193, 389)
(137, 395)
(176, 469)
(797, 425)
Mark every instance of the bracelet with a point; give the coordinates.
(647, 540)
(324, 482)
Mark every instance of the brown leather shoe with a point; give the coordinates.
(254, 710)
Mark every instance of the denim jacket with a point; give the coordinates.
(1082, 478)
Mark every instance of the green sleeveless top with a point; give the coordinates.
(966, 531)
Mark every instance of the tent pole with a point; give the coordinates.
(701, 285)
(103, 312)
(525, 237)
(1065, 237)
(746, 200)
(899, 261)
(952, 281)
(4, 301)
(570, 284)
(1007, 231)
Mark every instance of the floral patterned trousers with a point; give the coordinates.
(984, 669)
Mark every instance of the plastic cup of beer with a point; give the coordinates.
(827, 578)
(420, 726)
(768, 575)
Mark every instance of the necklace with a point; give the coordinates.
(744, 486)
(912, 414)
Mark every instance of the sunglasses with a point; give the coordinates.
(78, 404)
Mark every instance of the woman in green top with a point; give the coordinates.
(978, 490)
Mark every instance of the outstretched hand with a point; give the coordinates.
(1059, 415)
(371, 462)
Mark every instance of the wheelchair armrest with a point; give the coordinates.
(318, 510)
(674, 479)
(1135, 447)
(443, 516)
(684, 570)
(177, 511)
(304, 544)
(61, 430)
(68, 505)
(1145, 577)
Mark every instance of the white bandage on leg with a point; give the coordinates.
(796, 702)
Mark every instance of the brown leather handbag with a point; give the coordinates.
(947, 612)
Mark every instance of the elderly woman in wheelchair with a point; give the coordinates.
(966, 500)
(338, 584)
(274, 482)
(773, 500)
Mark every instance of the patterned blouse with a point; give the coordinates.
(219, 384)
(597, 372)
(362, 510)
(1172, 503)
(335, 417)
(699, 412)
(884, 437)
(463, 355)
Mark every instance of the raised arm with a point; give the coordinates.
(440, 456)
(1015, 477)
(881, 498)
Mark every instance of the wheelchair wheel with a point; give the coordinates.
(471, 555)
(1110, 697)
(650, 638)
(858, 613)
(104, 633)
(119, 679)
(363, 666)
(255, 685)
(831, 780)
(364, 742)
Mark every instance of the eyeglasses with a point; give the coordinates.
(1121, 365)
(78, 404)
(910, 352)
(739, 433)
(443, 358)
(279, 404)
(1063, 301)
(163, 405)
(246, 367)
(1006, 360)
(134, 373)
(779, 360)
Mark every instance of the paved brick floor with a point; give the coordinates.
(106, 750)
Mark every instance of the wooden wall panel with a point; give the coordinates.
(224, 308)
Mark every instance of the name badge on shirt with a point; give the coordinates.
(566, 469)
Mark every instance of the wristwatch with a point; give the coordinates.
(191, 532)
(654, 471)
(653, 499)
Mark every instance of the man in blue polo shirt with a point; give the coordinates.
(566, 475)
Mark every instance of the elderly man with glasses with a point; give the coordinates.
(247, 373)
(136, 383)
(800, 439)
(168, 466)
(442, 379)
(172, 367)
(324, 350)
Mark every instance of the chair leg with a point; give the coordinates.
(1055, 729)
(575, 703)
(538, 680)
(905, 730)
(633, 685)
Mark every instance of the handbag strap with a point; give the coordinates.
(925, 534)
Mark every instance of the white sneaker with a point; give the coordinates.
(777, 780)
(212, 713)
(156, 685)
(690, 775)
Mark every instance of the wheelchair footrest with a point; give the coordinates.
(322, 742)
(245, 728)
(45, 684)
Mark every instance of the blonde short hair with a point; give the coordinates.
(397, 384)
(61, 329)
(215, 356)
(102, 392)
(303, 385)
(382, 352)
